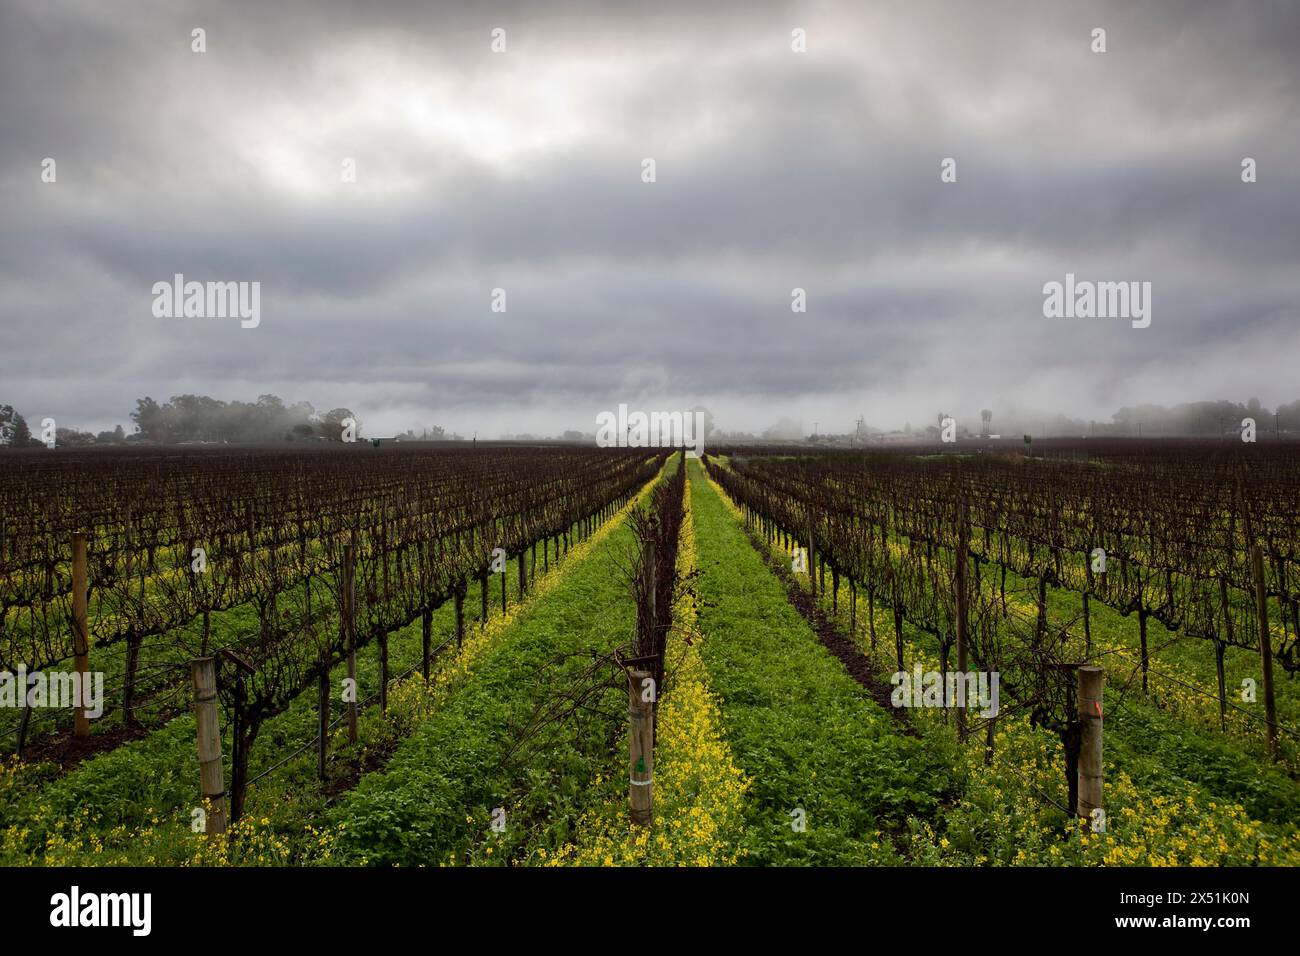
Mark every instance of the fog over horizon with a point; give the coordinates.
(522, 170)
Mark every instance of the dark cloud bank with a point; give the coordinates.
(522, 171)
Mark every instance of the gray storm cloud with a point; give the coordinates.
(521, 170)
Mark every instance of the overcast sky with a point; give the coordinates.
(522, 170)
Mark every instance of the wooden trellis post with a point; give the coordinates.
(383, 673)
(640, 748)
(458, 596)
(853, 608)
(349, 623)
(1088, 703)
(426, 634)
(959, 578)
(1220, 648)
(80, 633)
(1265, 647)
(26, 717)
(323, 715)
(812, 557)
(211, 777)
(641, 721)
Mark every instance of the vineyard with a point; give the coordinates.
(558, 656)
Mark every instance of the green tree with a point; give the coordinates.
(331, 425)
(14, 431)
(7, 415)
(148, 417)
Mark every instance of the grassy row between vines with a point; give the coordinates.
(134, 804)
(816, 748)
(461, 772)
(1177, 792)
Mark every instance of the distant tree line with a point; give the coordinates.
(1204, 418)
(428, 433)
(1186, 419)
(197, 418)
